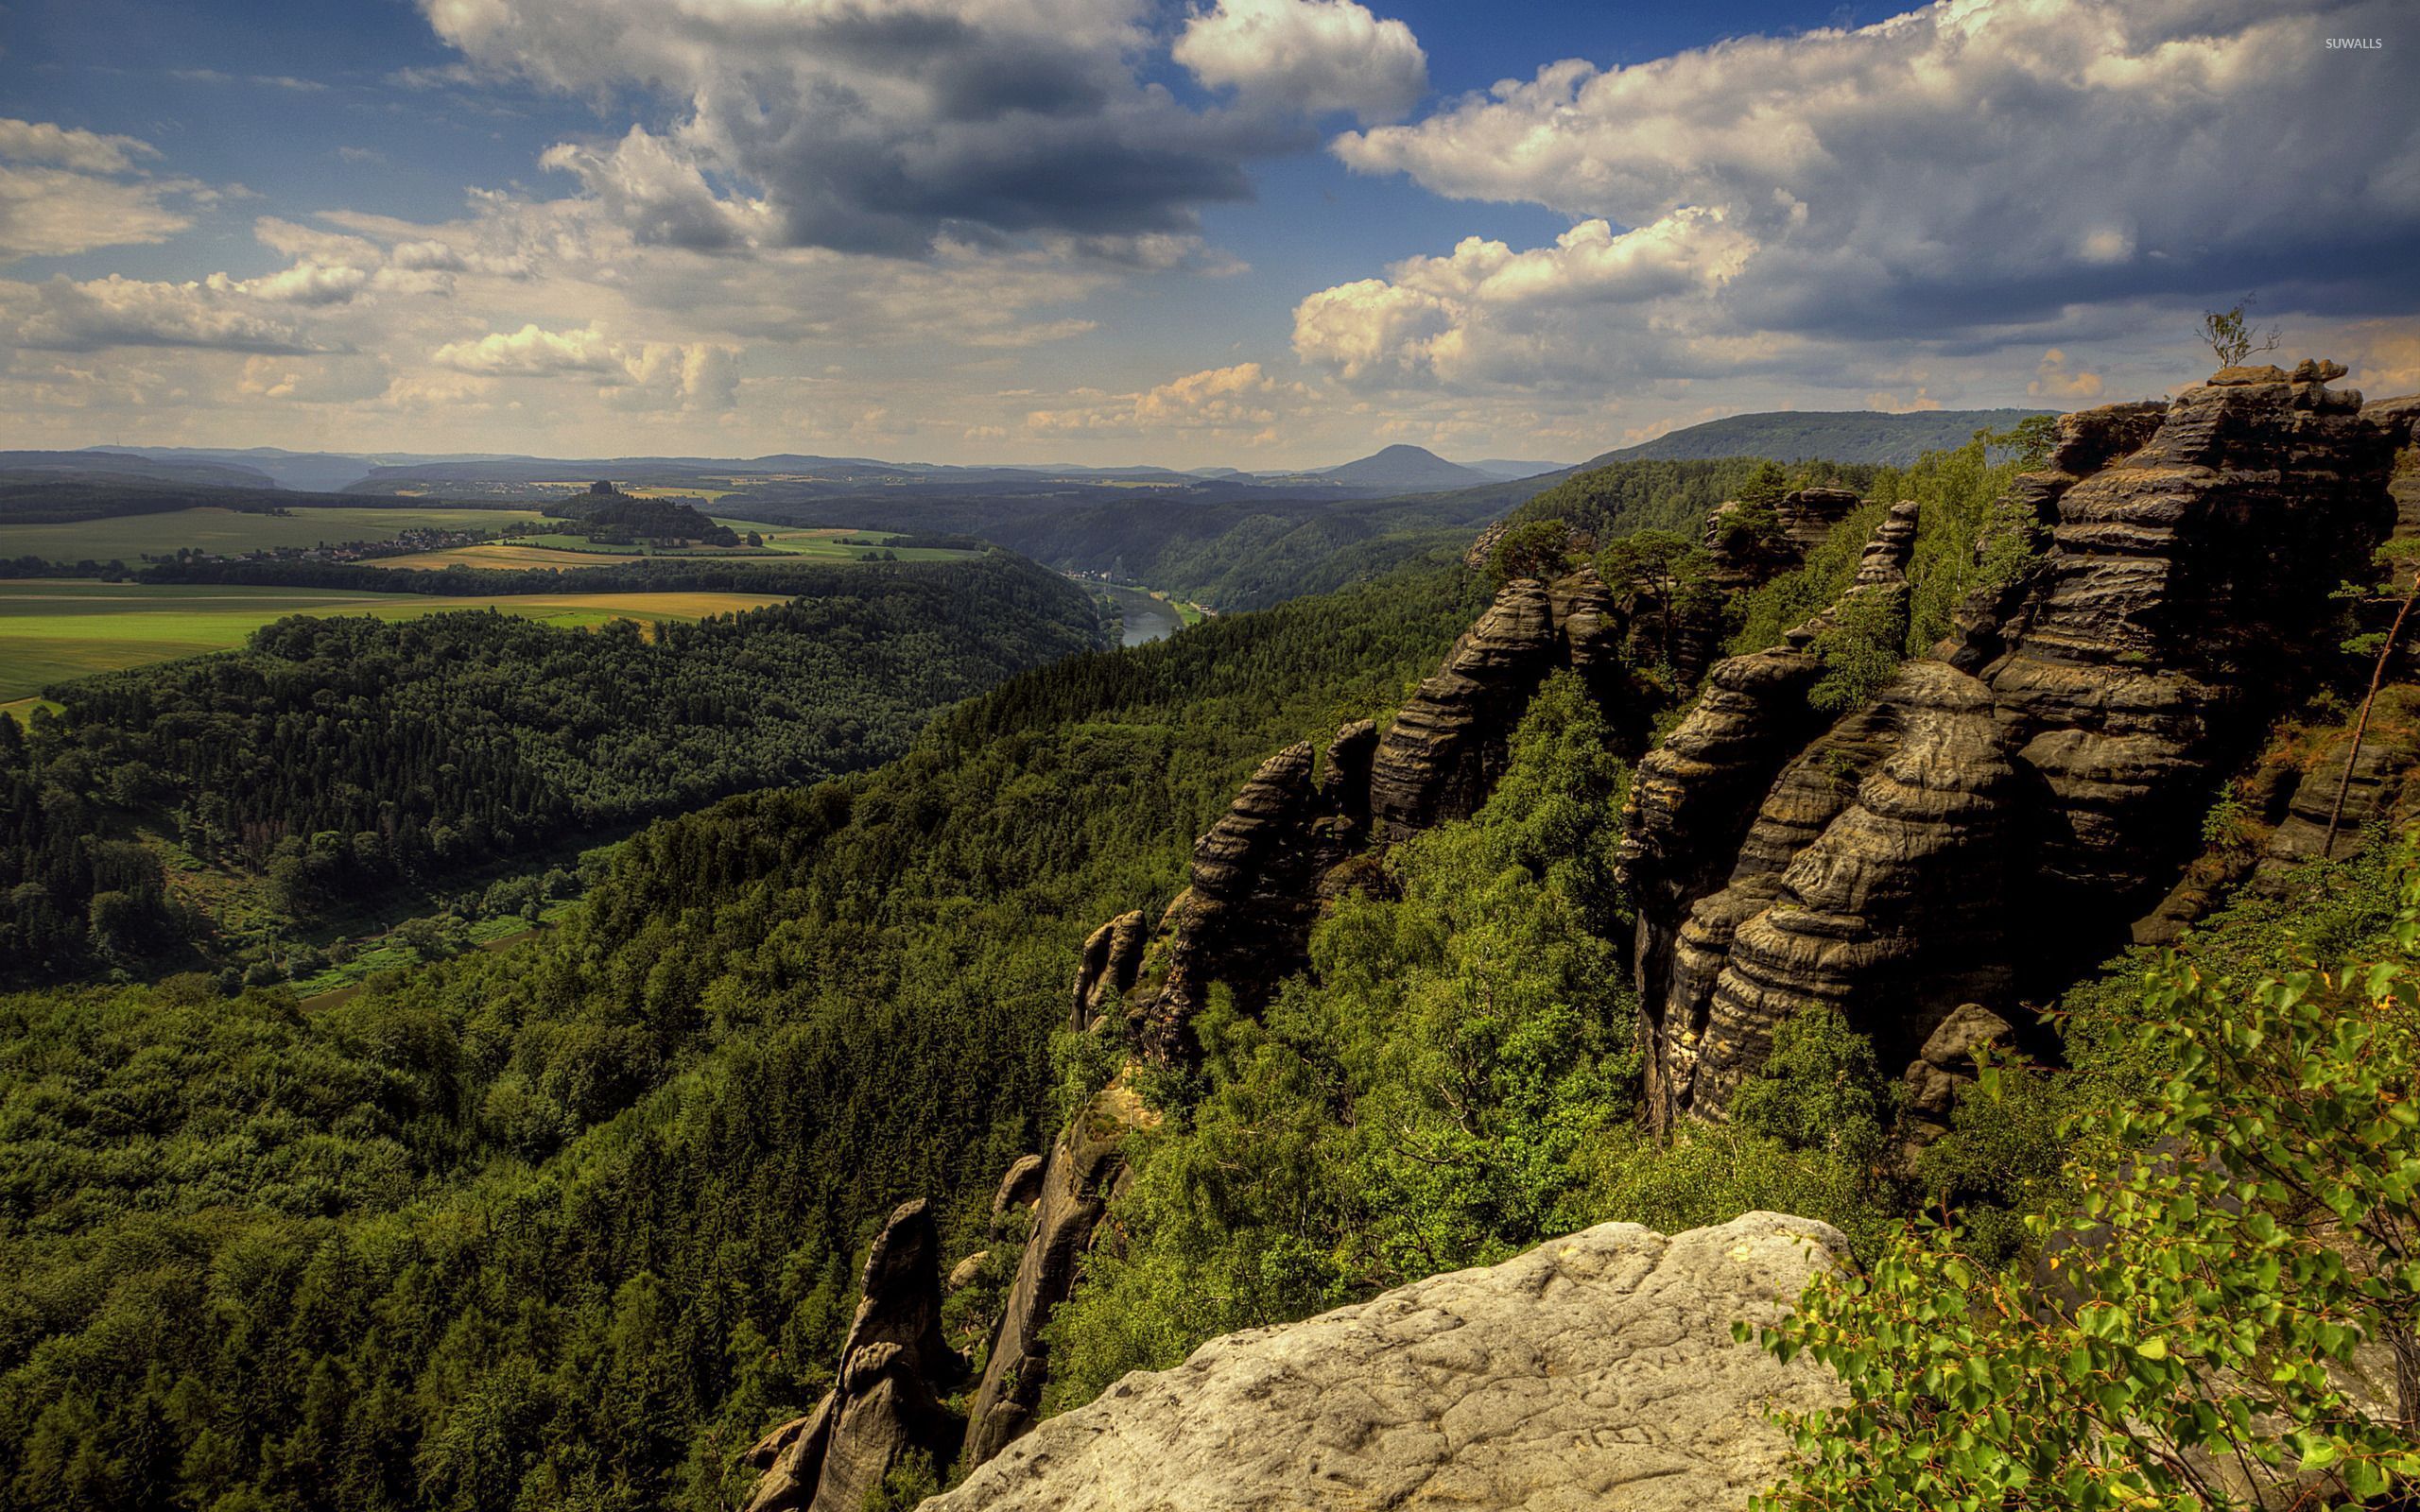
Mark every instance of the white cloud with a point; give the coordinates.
(2055, 378)
(1488, 313)
(531, 353)
(67, 148)
(50, 213)
(693, 374)
(1315, 56)
(1977, 162)
(64, 191)
(1241, 400)
(64, 316)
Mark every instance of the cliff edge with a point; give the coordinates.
(1595, 1372)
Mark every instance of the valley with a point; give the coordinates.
(1210, 756)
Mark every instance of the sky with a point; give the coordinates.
(1263, 233)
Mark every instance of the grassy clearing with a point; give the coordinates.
(127, 537)
(55, 629)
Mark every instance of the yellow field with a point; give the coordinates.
(498, 554)
(52, 630)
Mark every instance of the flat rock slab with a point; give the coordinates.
(1597, 1372)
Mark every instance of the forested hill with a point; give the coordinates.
(565, 1227)
(334, 760)
(1831, 436)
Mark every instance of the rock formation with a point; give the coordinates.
(1693, 819)
(1077, 1182)
(1113, 957)
(1597, 1370)
(1246, 914)
(1443, 751)
(1944, 1066)
(2048, 764)
(886, 1404)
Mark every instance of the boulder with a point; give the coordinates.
(1020, 1187)
(1597, 1371)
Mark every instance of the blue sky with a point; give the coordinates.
(1259, 232)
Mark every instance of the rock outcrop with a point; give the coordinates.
(1595, 1372)
(1443, 751)
(1246, 914)
(1113, 957)
(1077, 1182)
(885, 1404)
(2045, 768)
(1700, 855)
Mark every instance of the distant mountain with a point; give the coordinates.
(1498, 466)
(1408, 468)
(126, 466)
(1830, 434)
(306, 472)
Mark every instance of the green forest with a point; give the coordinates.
(335, 759)
(566, 1225)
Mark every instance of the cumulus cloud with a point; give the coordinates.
(1242, 400)
(888, 129)
(1978, 164)
(530, 352)
(61, 315)
(2055, 378)
(697, 374)
(1315, 56)
(64, 191)
(67, 148)
(1487, 313)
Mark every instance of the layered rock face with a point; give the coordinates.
(885, 1404)
(1693, 819)
(1075, 1187)
(1979, 826)
(1247, 912)
(1595, 1372)
(2183, 590)
(1446, 747)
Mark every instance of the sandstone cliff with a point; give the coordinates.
(1976, 829)
(1596, 1371)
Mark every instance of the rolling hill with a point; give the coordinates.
(1827, 434)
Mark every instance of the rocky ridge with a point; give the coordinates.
(2048, 761)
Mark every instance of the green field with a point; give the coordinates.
(52, 629)
(821, 541)
(128, 538)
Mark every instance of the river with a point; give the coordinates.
(1148, 619)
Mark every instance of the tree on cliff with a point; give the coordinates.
(2230, 335)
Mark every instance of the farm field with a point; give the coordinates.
(564, 553)
(55, 629)
(798, 540)
(127, 537)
